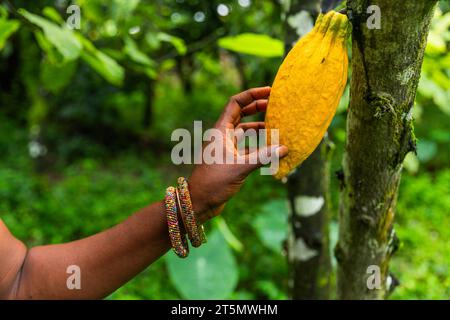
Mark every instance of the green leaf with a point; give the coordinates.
(440, 135)
(152, 40)
(433, 91)
(3, 12)
(271, 290)
(209, 272)
(231, 239)
(122, 9)
(178, 43)
(151, 73)
(167, 64)
(426, 150)
(135, 54)
(53, 55)
(411, 163)
(55, 77)
(345, 100)
(7, 28)
(334, 237)
(106, 66)
(53, 15)
(271, 224)
(253, 44)
(62, 38)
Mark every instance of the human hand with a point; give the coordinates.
(211, 185)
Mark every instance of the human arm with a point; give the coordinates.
(112, 257)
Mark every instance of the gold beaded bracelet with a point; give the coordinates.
(178, 241)
(196, 233)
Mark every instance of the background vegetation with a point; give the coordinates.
(85, 123)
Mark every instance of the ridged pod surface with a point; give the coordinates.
(307, 89)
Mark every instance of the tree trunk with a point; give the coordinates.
(147, 116)
(308, 242)
(185, 68)
(240, 66)
(386, 69)
(309, 257)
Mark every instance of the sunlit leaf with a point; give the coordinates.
(61, 37)
(435, 43)
(411, 163)
(209, 272)
(7, 28)
(135, 54)
(439, 33)
(53, 15)
(253, 44)
(106, 66)
(178, 43)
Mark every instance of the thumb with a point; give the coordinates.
(263, 156)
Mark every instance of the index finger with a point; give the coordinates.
(237, 102)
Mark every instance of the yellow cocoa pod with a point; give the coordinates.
(307, 89)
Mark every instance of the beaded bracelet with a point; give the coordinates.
(178, 241)
(195, 232)
(181, 214)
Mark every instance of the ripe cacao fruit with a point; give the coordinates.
(307, 89)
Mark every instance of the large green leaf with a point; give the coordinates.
(209, 272)
(106, 66)
(253, 44)
(271, 224)
(61, 37)
(7, 28)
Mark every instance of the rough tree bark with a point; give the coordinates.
(308, 242)
(386, 69)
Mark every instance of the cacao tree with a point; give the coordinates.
(386, 68)
(308, 241)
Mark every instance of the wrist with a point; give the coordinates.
(199, 205)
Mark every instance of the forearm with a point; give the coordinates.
(106, 260)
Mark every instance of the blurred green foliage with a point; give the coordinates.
(85, 123)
